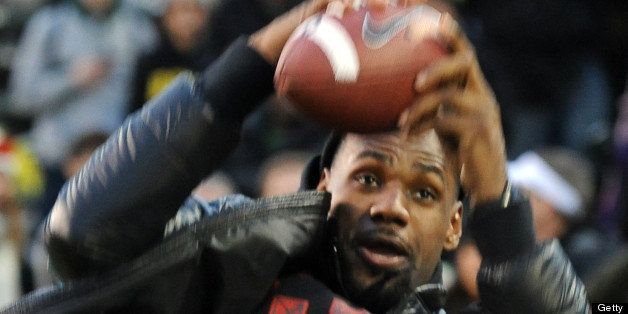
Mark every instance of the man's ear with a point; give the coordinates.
(454, 232)
(324, 181)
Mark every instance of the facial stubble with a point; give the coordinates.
(391, 285)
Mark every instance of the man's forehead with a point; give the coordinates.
(396, 143)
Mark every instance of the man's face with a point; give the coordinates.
(394, 201)
(185, 22)
(98, 7)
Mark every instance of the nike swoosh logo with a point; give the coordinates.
(377, 34)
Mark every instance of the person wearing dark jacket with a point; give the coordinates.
(183, 46)
(366, 234)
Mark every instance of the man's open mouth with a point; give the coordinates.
(383, 252)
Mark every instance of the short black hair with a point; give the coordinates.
(332, 145)
(331, 148)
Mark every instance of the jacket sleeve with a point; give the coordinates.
(516, 275)
(116, 207)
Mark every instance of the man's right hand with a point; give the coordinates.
(269, 41)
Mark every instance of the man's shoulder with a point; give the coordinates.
(236, 209)
(194, 208)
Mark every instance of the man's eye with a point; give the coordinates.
(423, 195)
(368, 180)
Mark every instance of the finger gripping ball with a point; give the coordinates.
(356, 73)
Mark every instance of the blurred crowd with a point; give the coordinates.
(72, 70)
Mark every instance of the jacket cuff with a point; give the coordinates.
(235, 83)
(503, 233)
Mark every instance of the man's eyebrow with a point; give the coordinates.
(423, 167)
(379, 156)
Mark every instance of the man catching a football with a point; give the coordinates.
(366, 232)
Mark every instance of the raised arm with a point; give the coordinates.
(516, 276)
(117, 206)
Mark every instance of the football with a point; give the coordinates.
(356, 72)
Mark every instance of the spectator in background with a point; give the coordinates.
(20, 184)
(11, 240)
(20, 165)
(217, 185)
(613, 213)
(560, 186)
(13, 16)
(281, 173)
(72, 74)
(183, 45)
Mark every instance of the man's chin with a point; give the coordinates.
(381, 294)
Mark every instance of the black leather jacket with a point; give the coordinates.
(105, 233)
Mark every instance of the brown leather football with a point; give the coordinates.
(356, 73)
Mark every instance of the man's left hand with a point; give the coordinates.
(454, 98)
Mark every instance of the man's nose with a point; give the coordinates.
(390, 206)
